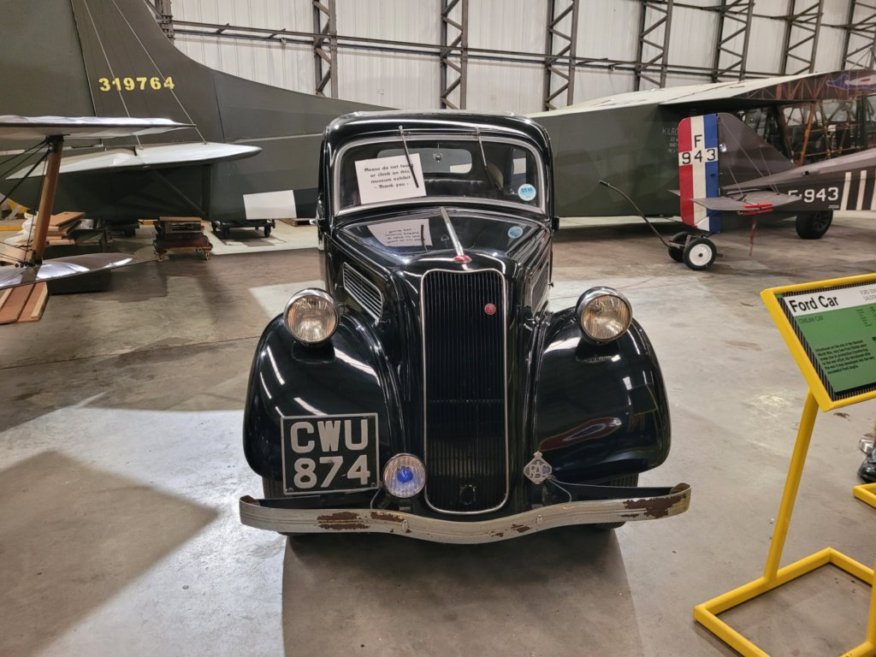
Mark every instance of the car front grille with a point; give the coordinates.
(465, 433)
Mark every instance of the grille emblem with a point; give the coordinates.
(468, 494)
(490, 309)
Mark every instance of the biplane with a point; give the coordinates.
(24, 265)
(632, 140)
(725, 167)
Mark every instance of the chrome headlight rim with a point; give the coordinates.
(399, 489)
(321, 294)
(589, 297)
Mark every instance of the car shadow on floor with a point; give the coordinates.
(387, 595)
(71, 538)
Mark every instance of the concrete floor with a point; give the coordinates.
(121, 465)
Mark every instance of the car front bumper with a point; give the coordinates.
(272, 515)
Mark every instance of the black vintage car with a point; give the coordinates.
(428, 391)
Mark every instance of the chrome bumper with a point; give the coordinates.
(257, 513)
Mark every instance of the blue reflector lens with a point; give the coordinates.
(404, 474)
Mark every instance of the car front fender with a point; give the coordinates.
(346, 376)
(600, 411)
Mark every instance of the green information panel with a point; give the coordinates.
(836, 327)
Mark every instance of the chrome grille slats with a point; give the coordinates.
(464, 385)
(363, 291)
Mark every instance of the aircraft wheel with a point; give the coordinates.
(214, 225)
(812, 225)
(677, 252)
(268, 230)
(224, 232)
(700, 253)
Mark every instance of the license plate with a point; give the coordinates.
(330, 453)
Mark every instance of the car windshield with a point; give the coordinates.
(427, 231)
(452, 169)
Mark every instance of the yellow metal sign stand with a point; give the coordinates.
(820, 394)
(866, 493)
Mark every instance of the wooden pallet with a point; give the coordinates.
(61, 230)
(24, 303)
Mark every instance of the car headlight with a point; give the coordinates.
(404, 475)
(604, 314)
(311, 316)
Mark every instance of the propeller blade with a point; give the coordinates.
(63, 268)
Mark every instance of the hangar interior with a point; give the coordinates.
(516, 56)
(121, 463)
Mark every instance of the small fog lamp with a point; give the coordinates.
(404, 475)
(604, 314)
(311, 316)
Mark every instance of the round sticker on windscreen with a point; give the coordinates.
(526, 192)
(514, 232)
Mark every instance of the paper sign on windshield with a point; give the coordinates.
(409, 232)
(389, 179)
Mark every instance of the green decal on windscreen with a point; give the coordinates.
(838, 328)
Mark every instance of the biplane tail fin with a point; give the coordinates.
(717, 151)
(698, 154)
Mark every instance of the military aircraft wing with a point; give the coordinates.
(29, 128)
(146, 157)
(52, 131)
(742, 91)
(749, 203)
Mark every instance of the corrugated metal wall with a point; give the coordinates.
(831, 39)
(278, 64)
(767, 37)
(387, 78)
(607, 29)
(503, 25)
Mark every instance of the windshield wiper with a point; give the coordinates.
(401, 131)
(484, 161)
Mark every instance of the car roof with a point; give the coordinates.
(358, 124)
